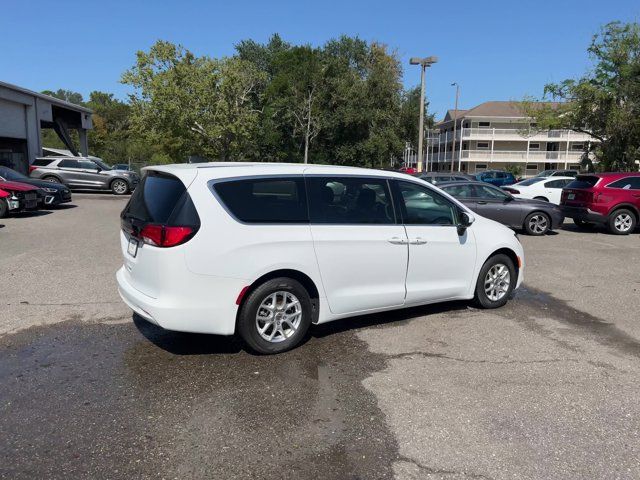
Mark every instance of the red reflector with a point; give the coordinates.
(164, 236)
(241, 295)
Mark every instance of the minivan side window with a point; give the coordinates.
(350, 200)
(264, 200)
(629, 183)
(423, 206)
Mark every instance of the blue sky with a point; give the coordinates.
(495, 50)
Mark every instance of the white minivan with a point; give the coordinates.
(266, 250)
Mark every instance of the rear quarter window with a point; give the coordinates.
(583, 181)
(161, 199)
(264, 200)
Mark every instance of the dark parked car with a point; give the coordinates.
(496, 177)
(440, 177)
(558, 173)
(121, 166)
(536, 217)
(84, 173)
(52, 193)
(611, 199)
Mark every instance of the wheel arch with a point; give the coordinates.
(628, 206)
(301, 277)
(53, 175)
(509, 253)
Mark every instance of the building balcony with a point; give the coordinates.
(513, 134)
(510, 156)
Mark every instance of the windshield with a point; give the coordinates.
(530, 181)
(545, 173)
(101, 164)
(12, 175)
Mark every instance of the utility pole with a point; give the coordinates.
(424, 64)
(455, 123)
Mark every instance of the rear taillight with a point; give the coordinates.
(32, 168)
(165, 236)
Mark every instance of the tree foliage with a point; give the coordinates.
(605, 102)
(342, 103)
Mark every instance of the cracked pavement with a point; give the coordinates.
(545, 387)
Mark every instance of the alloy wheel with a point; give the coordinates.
(119, 187)
(279, 316)
(539, 223)
(496, 282)
(623, 222)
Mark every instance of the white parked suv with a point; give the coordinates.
(266, 250)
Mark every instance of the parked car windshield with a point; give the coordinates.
(101, 164)
(545, 173)
(530, 181)
(12, 175)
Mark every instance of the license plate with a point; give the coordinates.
(132, 249)
(571, 196)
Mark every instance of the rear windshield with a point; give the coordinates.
(530, 181)
(583, 181)
(161, 199)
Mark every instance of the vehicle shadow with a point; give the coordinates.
(180, 343)
(64, 206)
(33, 213)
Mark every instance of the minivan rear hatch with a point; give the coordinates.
(159, 218)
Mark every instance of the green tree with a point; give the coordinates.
(605, 102)
(194, 105)
(66, 95)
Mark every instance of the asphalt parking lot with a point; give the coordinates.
(546, 387)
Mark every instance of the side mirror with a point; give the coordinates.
(466, 220)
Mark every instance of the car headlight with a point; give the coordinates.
(49, 190)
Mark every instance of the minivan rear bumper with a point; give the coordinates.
(583, 213)
(213, 313)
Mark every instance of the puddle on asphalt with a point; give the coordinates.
(79, 400)
(530, 304)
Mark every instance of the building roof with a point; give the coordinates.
(53, 100)
(506, 109)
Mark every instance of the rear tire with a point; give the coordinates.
(119, 187)
(4, 207)
(51, 179)
(496, 282)
(275, 316)
(621, 222)
(537, 223)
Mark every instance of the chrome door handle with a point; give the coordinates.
(417, 241)
(398, 241)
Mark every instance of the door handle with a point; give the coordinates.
(417, 241)
(398, 241)
(481, 202)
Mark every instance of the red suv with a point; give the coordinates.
(611, 199)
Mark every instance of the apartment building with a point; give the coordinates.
(494, 135)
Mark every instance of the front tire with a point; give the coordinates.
(622, 222)
(537, 223)
(496, 282)
(275, 316)
(119, 187)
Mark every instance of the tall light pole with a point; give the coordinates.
(455, 123)
(424, 64)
